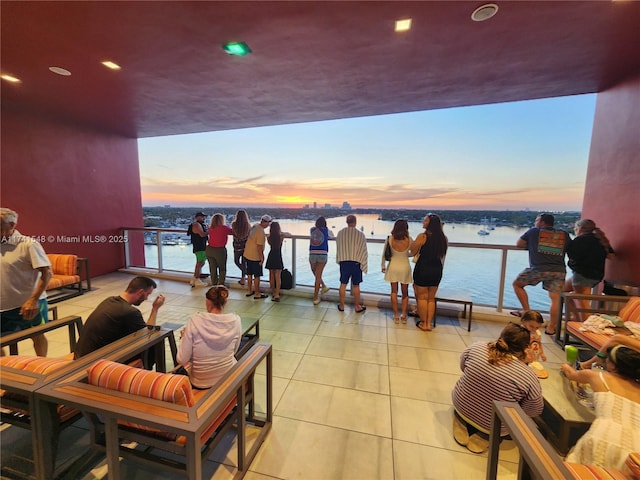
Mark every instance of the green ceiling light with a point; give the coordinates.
(237, 48)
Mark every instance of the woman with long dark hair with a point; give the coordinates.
(398, 270)
(587, 254)
(274, 259)
(431, 248)
(318, 253)
(240, 228)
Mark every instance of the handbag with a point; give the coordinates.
(387, 250)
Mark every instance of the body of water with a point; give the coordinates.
(476, 271)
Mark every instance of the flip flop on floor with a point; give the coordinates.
(262, 295)
(516, 313)
(549, 333)
(420, 325)
(250, 294)
(340, 308)
(362, 309)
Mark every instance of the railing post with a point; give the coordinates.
(127, 248)
(294, 264)
(159, 245)
(503, 274)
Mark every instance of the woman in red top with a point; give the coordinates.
(217, 249)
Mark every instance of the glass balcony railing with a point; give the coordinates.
(484, 271)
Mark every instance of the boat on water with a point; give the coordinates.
(483, 232)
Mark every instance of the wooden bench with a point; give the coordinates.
(73, 323)
(23, 408)
(109, 410)
(458, 297)
(537, 458)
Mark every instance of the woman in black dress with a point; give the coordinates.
(432, 247)
(274, 259)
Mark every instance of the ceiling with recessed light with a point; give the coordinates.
(310, 61)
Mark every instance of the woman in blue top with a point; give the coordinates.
(318, 251)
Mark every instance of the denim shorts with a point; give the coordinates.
(582, 281)
(318, 258)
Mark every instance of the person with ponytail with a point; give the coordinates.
(615, 433)
(587, 254)
(210, 340)
(493, 371)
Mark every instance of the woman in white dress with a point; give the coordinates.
(616, 430)
(398, 269)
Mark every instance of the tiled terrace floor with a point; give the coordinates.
(355, 395)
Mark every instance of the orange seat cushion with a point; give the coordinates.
(42, 365)
(59, 281)
(63, 264)
(587, 472)
(633, 464)
(631, 311)
(160, 386)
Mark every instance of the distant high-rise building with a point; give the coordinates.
(306, 207)
(346, 206)
(327, 205)
(315, 204)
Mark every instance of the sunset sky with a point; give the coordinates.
(512, 156)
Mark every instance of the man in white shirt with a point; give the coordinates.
(25, 271)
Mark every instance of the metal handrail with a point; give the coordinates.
(503, 249)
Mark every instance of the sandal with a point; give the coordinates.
(396, 320)
(403, 319)
(340, 308)
(362, 309)
(262, 295)
(250, 294)
(549, 333)
(516, 313)
(420, 325)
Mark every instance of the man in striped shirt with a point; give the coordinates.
(352, 257)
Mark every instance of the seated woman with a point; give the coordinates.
(209, 340)
(616, 397)
(493, 371)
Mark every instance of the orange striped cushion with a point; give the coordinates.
(633, 464)
(59, 281)
(63, 264)
(587, 472)
(631, 311)
(160, 386)
(41, 365)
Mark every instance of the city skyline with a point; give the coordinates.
(509, 156)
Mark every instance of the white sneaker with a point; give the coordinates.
(200, 283)
(325, 289)
(316, 301)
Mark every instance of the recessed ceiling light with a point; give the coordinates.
(403, 25)
(237, 48)
(10, 78)
(484, 12)
(111, 65)
(60, 71)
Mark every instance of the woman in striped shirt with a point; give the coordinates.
(493, 371)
